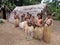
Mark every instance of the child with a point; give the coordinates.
(32, 19)
(16, 20)
(23, 23)
(22, 17)
(29, 31)
(38, 33)
(47, 28)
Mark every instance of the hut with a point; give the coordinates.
(32, 9)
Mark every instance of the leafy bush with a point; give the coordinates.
(31, 2)
(9, 4)
(57, 15)
(55, 10)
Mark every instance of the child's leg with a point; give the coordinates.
(31, 35)
(28, 35)
(26, 32)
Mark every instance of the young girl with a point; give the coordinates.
(47, 28)
(16, 20)
(38, 33)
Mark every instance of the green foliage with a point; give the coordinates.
(27, 2)
(9, 4)
(39, 0)
(57, 15)
(31, 2)
(53, 9)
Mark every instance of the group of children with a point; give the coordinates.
(35, 27)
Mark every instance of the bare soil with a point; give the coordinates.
(9, 35)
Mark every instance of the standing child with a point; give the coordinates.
(47, 28)
(29, 29)
(21, 24)
(16, 20)
(32, 19)
(38, 33)
(22, 17)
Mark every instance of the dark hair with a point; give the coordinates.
(30, 15)
(23, 15)
(33, 16)
(27, 12)
(40, 14)
(29, 23)
(49, 14)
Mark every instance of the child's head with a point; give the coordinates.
(27, 13)
(15, 13)
(16, 17)
(32, 17)
(29, 16)
(39, 16)
(23, 15)
(29, 24)
(49, 15)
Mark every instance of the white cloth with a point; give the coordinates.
(23, 24)
(48, 21)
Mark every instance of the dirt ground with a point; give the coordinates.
(9, 35)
